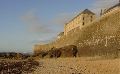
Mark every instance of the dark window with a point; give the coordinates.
(91, 18)
(83, 18)
(83, 23)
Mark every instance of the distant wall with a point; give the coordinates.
(102, 34)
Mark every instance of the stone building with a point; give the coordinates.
(79, 21)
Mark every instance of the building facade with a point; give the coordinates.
(79, 21)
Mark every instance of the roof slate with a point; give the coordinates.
(86, 11)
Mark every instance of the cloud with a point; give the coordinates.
(102, 4)
(63, 18)
(47, 29)
(41, 41)
(34, 23)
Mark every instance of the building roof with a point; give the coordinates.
(117, 5)
(86, 11)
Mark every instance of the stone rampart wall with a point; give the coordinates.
(102, 34)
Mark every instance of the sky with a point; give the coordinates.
(24, 23)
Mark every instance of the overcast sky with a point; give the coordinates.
(24, 23)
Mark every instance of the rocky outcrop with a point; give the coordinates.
(18, 67)
(66, 51)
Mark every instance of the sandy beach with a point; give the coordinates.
(78, 66)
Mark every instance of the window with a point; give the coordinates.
(83, 18)
(91, 18)
(83, 23)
